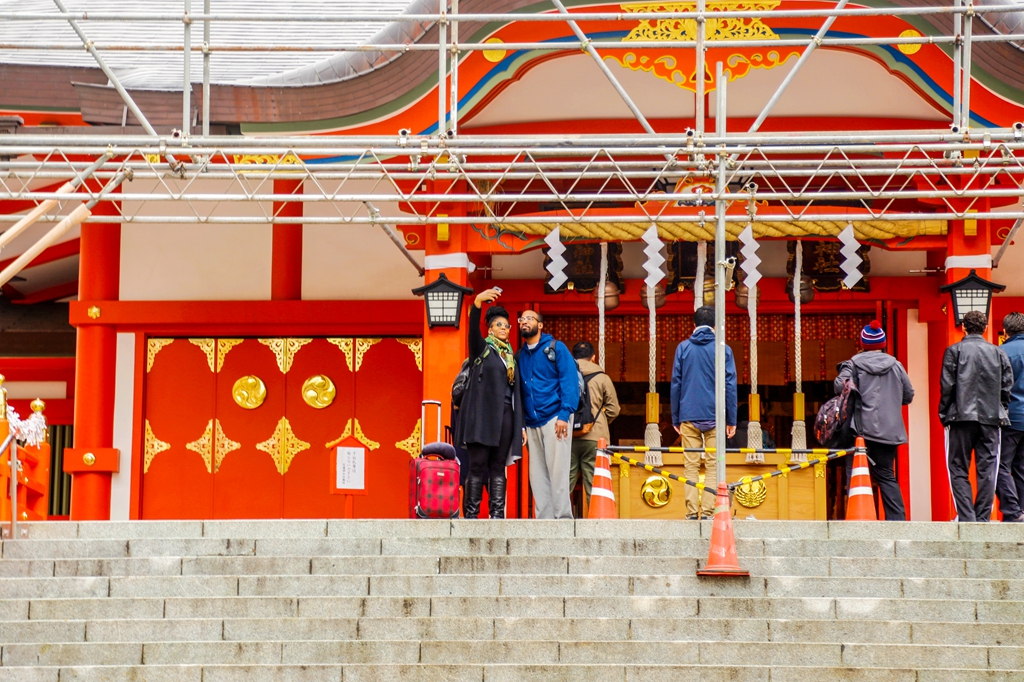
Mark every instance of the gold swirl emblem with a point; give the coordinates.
(752, 494)
(318, 391)
(656, 491)
(249, 392)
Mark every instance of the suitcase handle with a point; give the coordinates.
(423, 420)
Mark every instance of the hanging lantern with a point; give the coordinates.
(972, 293)
(611, 295)
(709, 291)
(659, 296)
(806, 289)
(743, 296)
(444, 301)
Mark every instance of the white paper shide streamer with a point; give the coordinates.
(851, 259)
(556, 268)
(32, 431)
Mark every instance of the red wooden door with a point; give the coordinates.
(248, 483)
(177, 479)
(388, 391)
(320, 404)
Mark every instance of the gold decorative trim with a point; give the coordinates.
(223, 446)
(412, 443)
(344, 435)
(346, 346)
(715, 28)
(363, 345)
(249, 392)
(819, 471)
(283, 445)
(284, 350)
(751, 494)
(153, 447)
(319, 391)
(153, 347)
(361, 437)
(416, 346)
(224, 347)
(203, 446)
(208, 346)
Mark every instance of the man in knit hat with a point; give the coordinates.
(976, 382)
(884, 389)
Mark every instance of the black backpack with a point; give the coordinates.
(462, 378)
(833, 427)
(584, 414)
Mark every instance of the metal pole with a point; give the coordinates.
(965, 106)
(453, 126)
(700, 67)
(720, 283)
(394, 236)
(206, 69)
(604, 67)
(186, 79)
(1006, 242)
(442, 66)
(796, 69)
(957, 57)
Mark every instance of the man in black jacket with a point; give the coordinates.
(976, 382)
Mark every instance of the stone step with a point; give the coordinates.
(376, 565)
(795, 608)
(435, 628)
(489, 673)
(532, 652)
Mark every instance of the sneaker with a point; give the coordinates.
(1019, 519)
(693, 517)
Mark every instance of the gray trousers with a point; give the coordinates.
(550, 459)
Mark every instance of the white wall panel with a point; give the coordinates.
(919, 428)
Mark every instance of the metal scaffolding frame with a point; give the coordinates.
(806, 176)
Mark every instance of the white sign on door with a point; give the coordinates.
(351, 469)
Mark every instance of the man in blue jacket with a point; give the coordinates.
(551, 395)
(693, 406)
(1010, 479)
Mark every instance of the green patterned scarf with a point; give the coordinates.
(505, 351)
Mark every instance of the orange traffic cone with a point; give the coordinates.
(602, 499)
(722, 559)
(860, 506)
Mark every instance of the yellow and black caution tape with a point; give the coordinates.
(744, 451)
(661, 472)
(833, 454)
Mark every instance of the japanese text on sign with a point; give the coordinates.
(351, 469)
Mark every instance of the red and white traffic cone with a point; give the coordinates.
(602, 499)
(722, 559)
(860, 505)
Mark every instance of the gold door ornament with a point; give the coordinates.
(208, 348)
(751, 494)
(359, 435)
(152, 348)
(412, 443)
(656, 491)
(347, 346)
(153, 447)
(213, 446)
(203, 446)
(319, 391)
(416, 346)
(284, 350)
(363, 345)
(283, 445)
(224, 347)
(249, 392)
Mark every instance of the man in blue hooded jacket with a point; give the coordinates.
(1010, 479)
(693, 406)
(551, 394)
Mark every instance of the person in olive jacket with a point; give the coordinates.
(490, 424)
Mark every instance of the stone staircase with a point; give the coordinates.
(510, 600)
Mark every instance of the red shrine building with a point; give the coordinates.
(243, 303)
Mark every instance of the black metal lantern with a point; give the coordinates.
(971, 293)
(444, 301)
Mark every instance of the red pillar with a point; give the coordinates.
(286, 261)
(99, 275)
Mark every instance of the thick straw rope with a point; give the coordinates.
(652, 434)
(799, 427)
(698, 280)
(754, 437)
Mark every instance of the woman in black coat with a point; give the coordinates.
(490, 423)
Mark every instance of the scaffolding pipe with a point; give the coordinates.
(965, 105)
(47, 204)
(699, 67)
(720, 283)
(442, 78)
(957, 49)
(453, 107)
(206, 70)
(186, 82)
(375, 218)
(76, 217)
(1006, 242)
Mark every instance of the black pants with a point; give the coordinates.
(984, 440)
(881, 457)
(488, 462)
(1010, 480)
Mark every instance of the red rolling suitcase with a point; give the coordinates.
(434, 476)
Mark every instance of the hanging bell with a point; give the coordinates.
(743, 295)
(806, 289)
(659, 296)
(611, 295)
(709, 291)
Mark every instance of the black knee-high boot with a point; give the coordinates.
(474, 494)
(496, 491)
